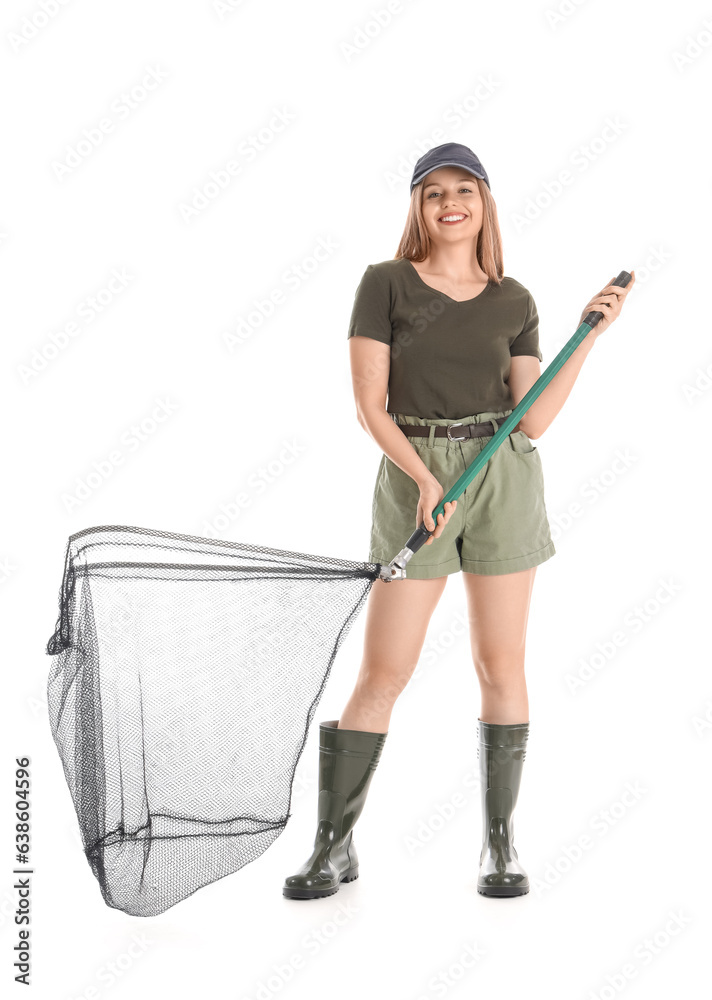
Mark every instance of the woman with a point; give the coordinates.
(443, 347)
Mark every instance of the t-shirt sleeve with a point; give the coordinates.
(371, 313)
(527, 342)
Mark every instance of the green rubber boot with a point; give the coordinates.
(501, 749)
(347, 762)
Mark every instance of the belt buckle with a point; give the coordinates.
(450, 437)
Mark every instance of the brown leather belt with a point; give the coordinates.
(468, 430)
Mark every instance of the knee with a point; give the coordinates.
(501, 671)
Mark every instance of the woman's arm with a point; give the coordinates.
(525, 370)
(370, 368)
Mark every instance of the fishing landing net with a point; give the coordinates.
(186, 678)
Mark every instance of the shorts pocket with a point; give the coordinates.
(521, 444)
(399, 488)
(377, 485)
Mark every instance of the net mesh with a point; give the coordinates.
(186, 678)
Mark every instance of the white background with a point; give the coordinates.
(537, 89)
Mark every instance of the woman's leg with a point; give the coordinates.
(397, 619)
(498, 612)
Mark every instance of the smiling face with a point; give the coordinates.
(452, 205)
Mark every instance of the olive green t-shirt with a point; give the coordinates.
(449, 359)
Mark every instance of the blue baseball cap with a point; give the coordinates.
(449, 154)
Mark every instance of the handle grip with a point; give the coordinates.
(419, 537)
(595, 316)
(421, 533)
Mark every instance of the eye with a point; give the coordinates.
(469, 190)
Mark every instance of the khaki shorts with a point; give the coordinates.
(500, 523)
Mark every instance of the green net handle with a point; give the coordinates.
(421, 533)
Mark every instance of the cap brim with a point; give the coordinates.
(450, 163)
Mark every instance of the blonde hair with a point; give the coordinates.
(415, 242)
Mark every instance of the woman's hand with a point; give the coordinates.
(609, 301)
(431, 493)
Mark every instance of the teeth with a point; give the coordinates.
(451, 218)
